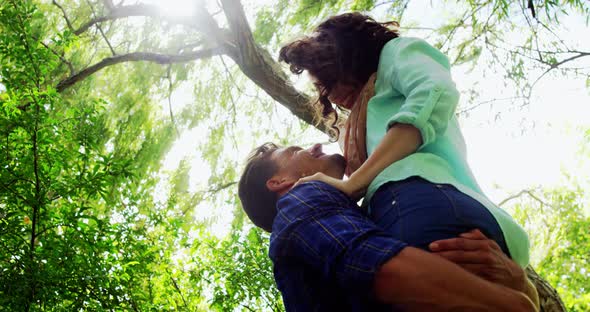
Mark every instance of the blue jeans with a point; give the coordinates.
(419, 212)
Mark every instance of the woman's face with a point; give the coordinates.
(343, 95)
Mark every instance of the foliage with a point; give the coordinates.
(92, 218)
(562, 247)
(78, 221)
(558, 221)
(567, 267)
(240, 271)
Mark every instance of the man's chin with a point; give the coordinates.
(340, 164)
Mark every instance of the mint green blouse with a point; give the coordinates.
(414, 86)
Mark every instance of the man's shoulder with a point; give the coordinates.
(313, 196)
(305, 202)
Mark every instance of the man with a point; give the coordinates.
(328, 256)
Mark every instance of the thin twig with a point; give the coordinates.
(61, 56)
(170, 85)
(64, 14)
(211, 191)
(512, 197)
(486, 102)
(179, 291)
(104, 36)
(525, 192)
(233, 102)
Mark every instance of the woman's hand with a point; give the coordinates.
(346, 186)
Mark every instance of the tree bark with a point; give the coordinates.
(548, 297)
(135, 57)
(257, 64)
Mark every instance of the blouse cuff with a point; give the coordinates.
(419, 115)
(426, 129)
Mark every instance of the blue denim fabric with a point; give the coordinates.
(419, 212)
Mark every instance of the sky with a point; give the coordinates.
(508, 149)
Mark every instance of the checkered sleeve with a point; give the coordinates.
(338, 240)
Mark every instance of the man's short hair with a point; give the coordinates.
(258, 201)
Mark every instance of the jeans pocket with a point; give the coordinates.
(472, 214)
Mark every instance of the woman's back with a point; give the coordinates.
(414, 86)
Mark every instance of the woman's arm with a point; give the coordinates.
(422, 75)
(400, 141)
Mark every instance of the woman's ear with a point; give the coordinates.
(280, 185)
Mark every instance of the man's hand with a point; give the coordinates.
(424, 282)
(474, 252)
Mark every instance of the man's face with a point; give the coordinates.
(295, 162)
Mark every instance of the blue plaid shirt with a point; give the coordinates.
(326, 252)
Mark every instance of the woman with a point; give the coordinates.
(402, 141)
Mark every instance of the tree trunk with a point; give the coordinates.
(258, 65)
(548, 297)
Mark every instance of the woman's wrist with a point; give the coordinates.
(357, 183)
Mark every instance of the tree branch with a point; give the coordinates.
(470, 108)
(108, 4)
(104, 36)
(64, 14)
(61, 56)
(231, 97)
(569, 59)
(525, 192)
(136, 57)
(170, 89)
(15, 193)
(553, 66)
(202, 20)
(548, 296)
(515, 196)
(257, 64)
(123, 12)
(221, 187)
(178, 290)
(205, 194)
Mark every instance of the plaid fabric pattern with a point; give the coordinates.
(326, 251)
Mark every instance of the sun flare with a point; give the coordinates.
(177, 7)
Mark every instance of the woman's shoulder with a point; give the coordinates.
(405, 50)
(394, 46)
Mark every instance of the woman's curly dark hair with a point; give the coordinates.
(343, 49)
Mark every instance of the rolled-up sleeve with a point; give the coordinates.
(421, 73)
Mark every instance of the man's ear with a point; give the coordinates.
(280, 185)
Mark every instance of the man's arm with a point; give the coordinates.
(418, 278)
(337, 240)
(474, 252)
